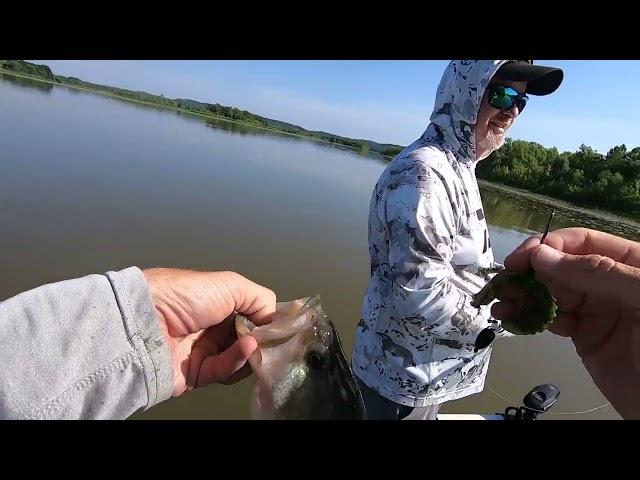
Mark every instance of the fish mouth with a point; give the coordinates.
(306, 330)
(289, 319)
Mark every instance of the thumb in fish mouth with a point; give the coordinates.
(227, 366)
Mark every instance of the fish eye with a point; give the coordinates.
(316, 358)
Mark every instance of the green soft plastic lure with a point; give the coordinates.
(536, 310)
(537, 307)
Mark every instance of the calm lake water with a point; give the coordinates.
(91, 183)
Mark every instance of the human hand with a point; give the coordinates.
(196, 312)
(595, 278)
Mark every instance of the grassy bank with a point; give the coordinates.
(624, 226)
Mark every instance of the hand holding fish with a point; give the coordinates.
(595, 278)
(196, 311)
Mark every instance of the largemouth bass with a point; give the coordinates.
(300, 367)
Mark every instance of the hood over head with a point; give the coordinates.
(460, 94)
(457, 105)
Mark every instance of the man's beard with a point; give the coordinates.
(491, 142)
(494, 141)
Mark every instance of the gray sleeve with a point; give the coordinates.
(87, 348)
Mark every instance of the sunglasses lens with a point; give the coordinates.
(500, 98)
(503, 98)
(522, 103)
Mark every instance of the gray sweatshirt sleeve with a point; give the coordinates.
(87, 348)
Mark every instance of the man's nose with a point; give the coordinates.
(513, 112)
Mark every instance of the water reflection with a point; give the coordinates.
(509, 213)
(27, 83)
(142, 185)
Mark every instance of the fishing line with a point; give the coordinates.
(551, 413)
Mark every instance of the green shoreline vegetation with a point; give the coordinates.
(585, 178)
(215, 111)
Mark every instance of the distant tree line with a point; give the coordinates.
(610, 181)
(27, 68)
(231, 113)
(585, 177)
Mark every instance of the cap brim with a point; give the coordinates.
(540, 80)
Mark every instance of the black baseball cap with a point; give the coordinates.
(540, 80)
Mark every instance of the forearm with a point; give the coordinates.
(88, 348)
(441, 308)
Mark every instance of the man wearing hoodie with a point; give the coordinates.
(428, 237)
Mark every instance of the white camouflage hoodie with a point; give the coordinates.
(427, 238)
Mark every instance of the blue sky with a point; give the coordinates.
(384, 101)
